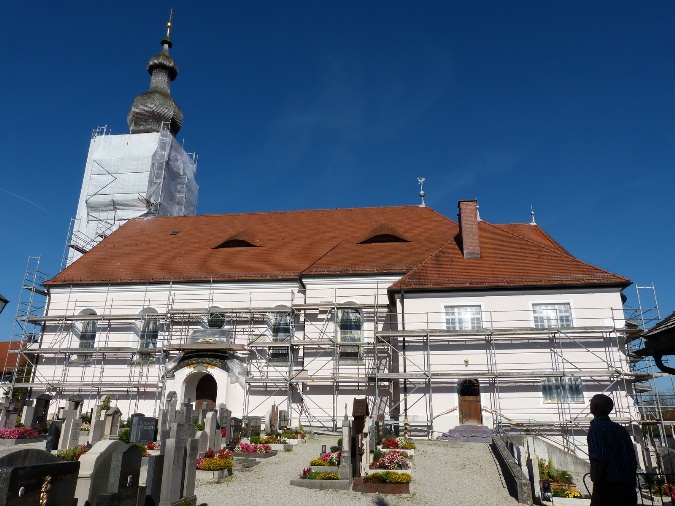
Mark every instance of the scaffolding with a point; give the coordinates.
(401, 366)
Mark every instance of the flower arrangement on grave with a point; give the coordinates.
(548, 472)
(270, 440)
(215, 461)
(398, 442)
(327, 459)
(562, 492)
(72, 454)
(308, 474)
(85, 427)
(18, 433)
(153, 446)
(223, 432)
(387, 477)
(391, 460)
(252, 448)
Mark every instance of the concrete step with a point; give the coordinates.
(468, 434)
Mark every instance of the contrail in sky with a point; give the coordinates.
(25, 200)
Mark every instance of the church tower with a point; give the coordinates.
(143, 173)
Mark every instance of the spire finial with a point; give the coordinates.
(420, 181)
(532, 214)
(166, 41)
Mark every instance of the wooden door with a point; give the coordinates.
(469, 410)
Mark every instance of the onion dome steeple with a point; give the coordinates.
(155, 106)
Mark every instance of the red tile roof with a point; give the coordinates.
(8, 360)
(292, 244)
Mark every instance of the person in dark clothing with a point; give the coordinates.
(613, 460)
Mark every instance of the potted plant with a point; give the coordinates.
(383, 482)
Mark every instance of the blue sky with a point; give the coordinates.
(565, 106)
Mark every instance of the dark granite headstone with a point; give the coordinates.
(143, 429)
(234, 430)
(283, 419)
(53, 435)
(254, 426)
(125, 470)
(23, 485)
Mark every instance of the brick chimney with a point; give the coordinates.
(468, 228)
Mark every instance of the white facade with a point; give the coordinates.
(513, 361)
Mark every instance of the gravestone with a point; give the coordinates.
(180, 460)
(143, 429)
(95, 471)
(70, 431)
(132, 417)
(203, 439)
(203, 409)
(283, 419)
(223, 415)
(151, 479)
(113, 417)
(234, 430)
(28, 469)
(97, 429)
(211, 429)
(4, 413)
(28, 414)
(274, 419)
(163, 436)
(123, 481)
(254, 423)
(53, 435)
(345, 469)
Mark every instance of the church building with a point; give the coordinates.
(438, 322)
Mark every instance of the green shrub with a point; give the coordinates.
(141, 446)
(72, 454)
(85, 417)
(124, 435)
(199, 426)
(254, 440)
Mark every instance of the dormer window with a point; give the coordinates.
(383, 233)
(236, 243)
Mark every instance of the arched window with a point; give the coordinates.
(216, 319)
(282, 331)
(350, 326)
(149, 333)
(87, 335)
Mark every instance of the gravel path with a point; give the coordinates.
(453, 474)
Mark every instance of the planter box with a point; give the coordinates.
(213, 475)
(322, 484)
(281, 447)
(14, 442)
(325, 469)
(410, 453)
(380, 488)
(243, 455)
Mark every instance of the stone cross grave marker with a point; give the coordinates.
(180, 459)
(4, 413)
(345, 469)
(29, 475)
(274, 419)
(112, 423)
(203, 409)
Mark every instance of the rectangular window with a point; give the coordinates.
(565, 389)
(552, 316)
(463, 318)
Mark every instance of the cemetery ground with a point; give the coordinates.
(444, 473)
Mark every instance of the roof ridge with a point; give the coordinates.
(556, 252)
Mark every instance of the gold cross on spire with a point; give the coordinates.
(168, 25)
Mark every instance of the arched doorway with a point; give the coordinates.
(468, 391)
(201, 387)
